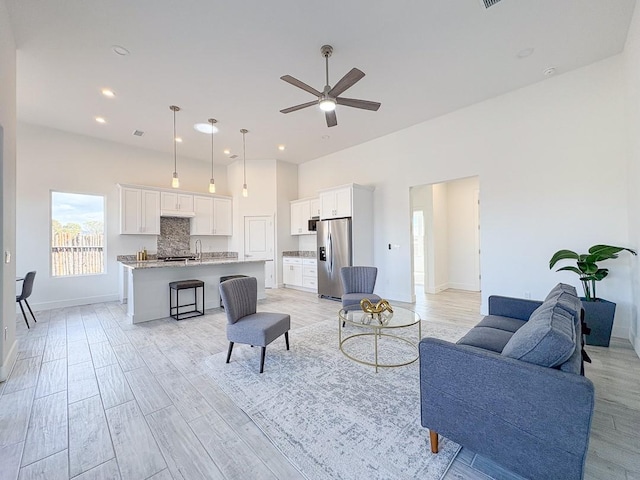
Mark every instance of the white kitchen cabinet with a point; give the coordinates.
(310, 274)
(300, 214)
(202, 222)
(336, 203)
(292, 271)
(139, 211)
(314, 206)
(176, 204)
(222, 216)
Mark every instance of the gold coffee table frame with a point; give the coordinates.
(377, 324)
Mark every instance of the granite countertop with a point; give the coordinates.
(189, 263)
(300, 253)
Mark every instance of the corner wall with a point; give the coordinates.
(631, 57)
(536, 151)
(8, 198)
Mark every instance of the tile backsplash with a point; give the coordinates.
(174, 236)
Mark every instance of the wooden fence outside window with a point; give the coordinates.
(76, 254)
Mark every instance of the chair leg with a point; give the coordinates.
(433, 440)
(23, 314)
(29, 307)
(286, 339)
(229, 351)
(262, 354)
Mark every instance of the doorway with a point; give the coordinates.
(258, 244)
(445, 225)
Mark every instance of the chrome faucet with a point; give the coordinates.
(199, 250)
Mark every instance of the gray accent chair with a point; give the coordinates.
(27, 288)
(512, 388)
(245, 325)
(358, 283)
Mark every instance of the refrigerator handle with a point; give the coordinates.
(330, 254)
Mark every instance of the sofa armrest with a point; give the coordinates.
(534, 420)
(519, 308)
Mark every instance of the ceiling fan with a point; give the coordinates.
(330, 97)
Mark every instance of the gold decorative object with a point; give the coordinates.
(381, 306)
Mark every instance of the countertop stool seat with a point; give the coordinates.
(174, 309)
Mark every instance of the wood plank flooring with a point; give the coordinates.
(93, 397)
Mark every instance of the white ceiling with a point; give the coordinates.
(224, 59)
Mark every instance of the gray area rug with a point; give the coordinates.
(334, 418)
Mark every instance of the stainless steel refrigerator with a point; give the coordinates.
(334, 252)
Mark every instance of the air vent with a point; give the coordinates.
(138, 133)
(233, 156)
(489, 3)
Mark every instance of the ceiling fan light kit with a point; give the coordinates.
(330, 96)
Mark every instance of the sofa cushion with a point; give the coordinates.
(547, 339)
(501, 323)
(562, 287)
(487, 338)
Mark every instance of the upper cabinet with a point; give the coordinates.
(300, 214)
(139, 211)
(314, 204)
(336, 203)
(222, 216)
(176, 204)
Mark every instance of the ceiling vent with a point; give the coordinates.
(233, 156)
(489, 3)
(138, 133)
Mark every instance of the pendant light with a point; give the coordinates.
(212, 183)
(245, 192)
(175, 182)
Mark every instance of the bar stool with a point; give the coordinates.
(185, 285)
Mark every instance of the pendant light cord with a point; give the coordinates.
(175, 147)
(244, 158)
(212, 149)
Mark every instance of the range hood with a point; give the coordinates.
(177, 213)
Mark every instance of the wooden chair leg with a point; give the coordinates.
(433, 439)
(229, 351)
(24, 315)
(29, 307)
(262, 354)
(286, 339)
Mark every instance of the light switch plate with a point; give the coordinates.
(7, 256)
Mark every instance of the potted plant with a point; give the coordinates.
(598, 312)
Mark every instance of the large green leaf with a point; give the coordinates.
(570, 269)
(605, 252)
(588, 268)
(600, 274)
(562, 255)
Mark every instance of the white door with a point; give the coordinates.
(258, 244)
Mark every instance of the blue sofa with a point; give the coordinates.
(512, 389)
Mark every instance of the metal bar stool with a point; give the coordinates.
(174, 310)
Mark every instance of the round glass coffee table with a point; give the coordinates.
(383, 327)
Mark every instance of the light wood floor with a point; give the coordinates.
(92, 397)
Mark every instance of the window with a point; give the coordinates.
(77, 234)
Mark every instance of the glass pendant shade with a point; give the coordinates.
(212, 186)
(175, 181)
(245, 192)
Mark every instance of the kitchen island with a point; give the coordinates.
(145, 285)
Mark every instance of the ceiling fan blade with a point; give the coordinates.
(347, 81)
(299, 107)
(297, 83)
(352, 102)
(332, 121)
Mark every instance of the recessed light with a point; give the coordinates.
(549, 71)
(108, 92)
(138, 133)
(526, 52)
(100, 120)
(178, 139)
(226, 151)
(120, 50)
(206, 128)
(281, 147)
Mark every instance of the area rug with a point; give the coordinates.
(334, 418)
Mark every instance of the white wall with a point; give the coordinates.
(632, 77)
(535, 150)
(8, 187)
(49, 159)
(286, 190)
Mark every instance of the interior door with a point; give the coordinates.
(258, 244)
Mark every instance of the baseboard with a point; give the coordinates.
(635, 342)
(463, 286)
(6, 367)
(621, 332)
(74, 302)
